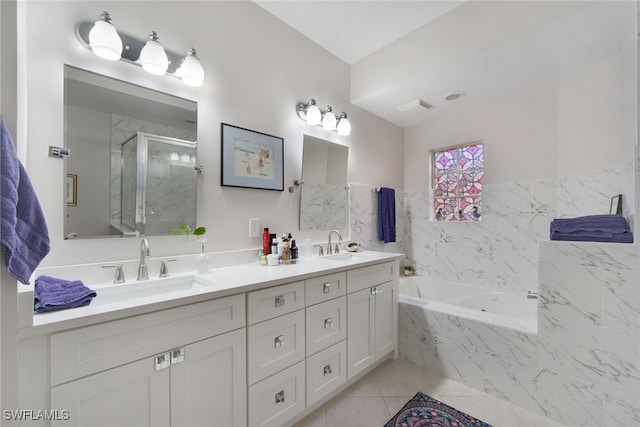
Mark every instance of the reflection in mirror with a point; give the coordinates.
(324, 196)
(133, 152)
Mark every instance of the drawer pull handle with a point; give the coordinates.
(327, 370)
(278, 341)
(328, 323)
(326, 288)
(279, 302)
(375, 290)
(280, 396)
(177, 356)
(162, 361)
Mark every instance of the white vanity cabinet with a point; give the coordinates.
(181, 367)
(276, 352)
(372, 320)
(267, 353)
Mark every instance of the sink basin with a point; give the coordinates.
(153, 288)
(347, 256)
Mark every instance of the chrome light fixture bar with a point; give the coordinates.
(102, 38)
(310, 113)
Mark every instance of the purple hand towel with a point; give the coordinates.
(387, 215)
(52, 294)
(23, 229)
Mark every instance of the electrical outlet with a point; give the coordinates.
(254, 227)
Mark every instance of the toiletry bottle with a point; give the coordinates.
(274, 244)
(265, 241)
(260, 255)
(294, 250)
(286, 250)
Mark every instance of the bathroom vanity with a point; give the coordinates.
(241, 345)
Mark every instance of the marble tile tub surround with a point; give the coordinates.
(502, 250)
(583, 366)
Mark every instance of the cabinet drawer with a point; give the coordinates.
(326, 324)
(275, 400)
(326, 371)
(275, 345)
(365, 277)
(276, 301)
(324, 288)
(80, 352)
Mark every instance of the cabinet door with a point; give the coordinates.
(360, 331)
(386, 302)
(131, 395)
(208, 388)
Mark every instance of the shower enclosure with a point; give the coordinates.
(157, 185)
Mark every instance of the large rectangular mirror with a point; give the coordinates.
(324, 198)
(131, 171)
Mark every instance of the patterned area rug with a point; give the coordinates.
(422, 411)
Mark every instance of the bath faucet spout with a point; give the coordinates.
(145, 252)
(329, 249)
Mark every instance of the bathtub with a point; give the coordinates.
(503, 308)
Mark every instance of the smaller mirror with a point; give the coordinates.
(324, 197)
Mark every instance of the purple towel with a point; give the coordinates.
(52, 294)
(23, 229)
(387, 215)
(593, 228)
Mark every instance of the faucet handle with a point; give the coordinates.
(164, 272)
(119, 276)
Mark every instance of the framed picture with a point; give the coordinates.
(72, 189)
(251, 159)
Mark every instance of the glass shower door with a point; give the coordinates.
(169, 187)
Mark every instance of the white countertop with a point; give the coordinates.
(219, 282)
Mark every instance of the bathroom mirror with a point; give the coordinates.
(131, 169)
(324, 198)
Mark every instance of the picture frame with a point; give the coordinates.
(72, 189)
(251, 159)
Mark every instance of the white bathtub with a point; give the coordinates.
(503, 308)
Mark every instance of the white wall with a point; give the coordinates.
(257, 69)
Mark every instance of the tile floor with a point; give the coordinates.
(375, 398)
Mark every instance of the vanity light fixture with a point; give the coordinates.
(310, 113)
(102, 38)
(153, 57)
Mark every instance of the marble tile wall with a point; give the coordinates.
(502, 250)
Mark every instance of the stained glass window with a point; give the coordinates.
(457, 183)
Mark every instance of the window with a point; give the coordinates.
(457, 182)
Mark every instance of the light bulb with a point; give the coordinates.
(329, 119)
(153, 57)
(191, 69)
(104, 39)
(313, 113)
(344, 126)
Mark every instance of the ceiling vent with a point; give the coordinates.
(417, 105)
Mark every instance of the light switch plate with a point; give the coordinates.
(254, 227)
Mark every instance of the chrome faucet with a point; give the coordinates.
(145, 251)
(329, 250)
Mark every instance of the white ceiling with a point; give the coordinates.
(403, 51)
(352, 30)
